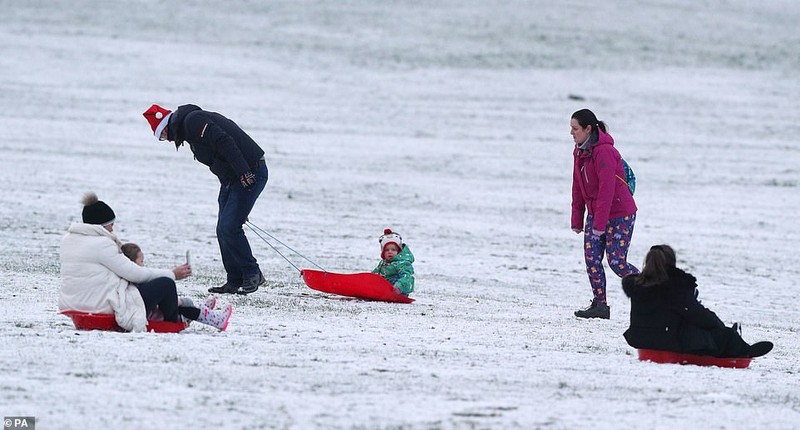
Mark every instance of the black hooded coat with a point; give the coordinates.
(668, 317)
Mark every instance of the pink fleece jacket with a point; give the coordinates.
(598, 185)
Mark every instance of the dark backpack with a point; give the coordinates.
(630, 177)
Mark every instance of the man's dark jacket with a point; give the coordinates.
(215, 141)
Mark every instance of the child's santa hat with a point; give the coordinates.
(390, 237)
(158, 117)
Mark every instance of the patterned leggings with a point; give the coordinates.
(614, 242)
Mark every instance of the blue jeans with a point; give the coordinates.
(235, 204)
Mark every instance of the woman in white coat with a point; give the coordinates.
(96, 277)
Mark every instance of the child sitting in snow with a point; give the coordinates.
(135, 254)
(396, 262)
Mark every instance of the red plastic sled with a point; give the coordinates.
(657, 356)
(368, 286)
(89, 321)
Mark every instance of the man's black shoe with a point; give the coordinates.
(250, 285)
(229, 287)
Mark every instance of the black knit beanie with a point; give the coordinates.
(96, 211)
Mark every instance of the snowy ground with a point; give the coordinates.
(446, 121)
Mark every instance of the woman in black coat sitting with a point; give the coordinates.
(665, 313)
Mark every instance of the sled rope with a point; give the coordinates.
(273, 248)
(256, 229)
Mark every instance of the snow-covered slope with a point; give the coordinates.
(445, 121)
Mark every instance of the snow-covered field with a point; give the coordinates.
(446, 121)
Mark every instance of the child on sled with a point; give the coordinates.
(396, 262)
(186, 307)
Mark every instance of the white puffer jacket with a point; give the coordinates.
(96, 277)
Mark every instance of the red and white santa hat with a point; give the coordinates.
(158, 117)
(390, 237)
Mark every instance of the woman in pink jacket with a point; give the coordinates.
(599, 189)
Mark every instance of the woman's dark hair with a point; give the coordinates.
(586, 117)
(657, 264)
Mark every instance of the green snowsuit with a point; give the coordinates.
(399, 272)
